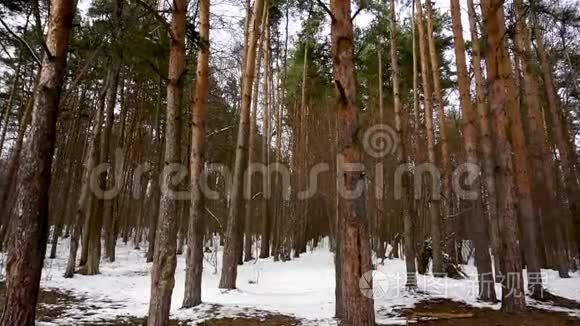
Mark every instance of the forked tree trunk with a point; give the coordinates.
(513, 298)
(353, 244)
(85, 199)
(27, 249)
(196, 229)
(471, 143)
(165, 257)
(91, 251)
(230, 256)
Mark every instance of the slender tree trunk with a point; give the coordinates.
(542, 161)
(26, 251)
(302, 205)
(412, 228)
(196, 228)
(12, 168)
(165, 257)
(109, 176)
(434, 203)
(248, 219)
(248, 256)
(156, 191)
(354, 247)
(445, 165)
(8, 107)
(513, 298)
(411, 281)
(521, 166)
(471, 143)
(266, 189)
(230, 256)
(67, 194)
(85, 200)
(91, 253)
(567, 164)
(249, 183)
(487, 149)
(379, 190)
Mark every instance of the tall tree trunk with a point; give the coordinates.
(434, 203)
(301, 150)
(248, 214)
(85, 199)
(445, 164)
(165, 257)
(486, 140)
(110, 176)
(521, 166)
(230, 256)
(196, 229)
(542, 161)
(91, 253)
(8, 106)
(155, 186)
(513, 298)
(266, 187)
(412, 228)
(28, 246)
(471, 143)
(12, 169)
(411, 281)
(249, 183)
(567, 164)
(379, 183)
(354, 249)
(74, 145)
(280, 221)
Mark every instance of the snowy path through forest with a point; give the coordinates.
(302, 288)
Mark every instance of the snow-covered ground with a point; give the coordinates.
(303, 288)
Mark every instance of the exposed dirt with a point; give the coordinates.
(442, 312)
(51, 304)
(54, 304)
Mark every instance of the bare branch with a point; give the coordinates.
(21, 40)
(320, 3)
(81, 73)
(38, 28)
(219, 131)
(157, 16)
(356, 13)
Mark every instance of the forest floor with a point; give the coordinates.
(299, 292)
(53, 305)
